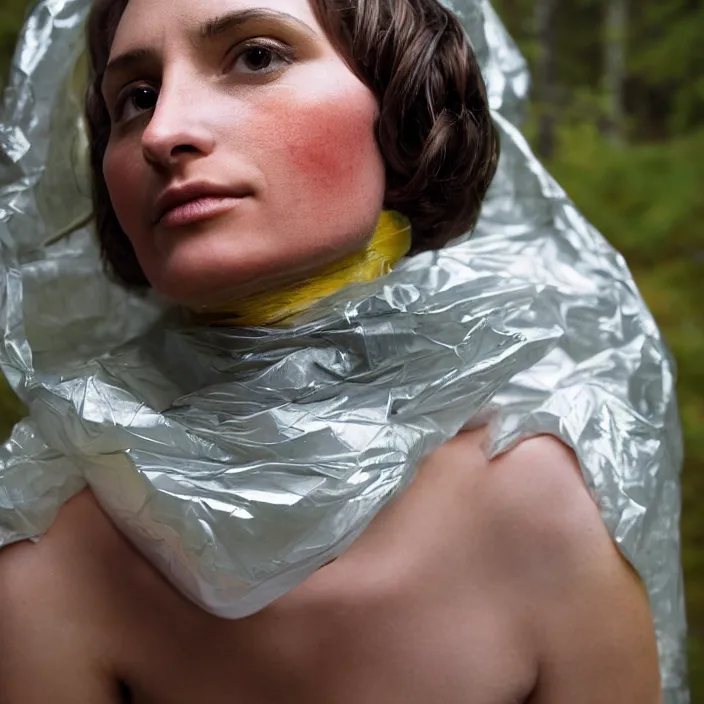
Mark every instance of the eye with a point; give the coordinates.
(139, 99)
(261, 58)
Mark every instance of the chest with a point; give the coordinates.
(419, 646)
(417, 610)
(411, 613)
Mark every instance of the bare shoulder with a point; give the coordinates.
(533, 497)
(540, 501)
(585, 606)
(537, 473)
(51, 614)
(77, 544)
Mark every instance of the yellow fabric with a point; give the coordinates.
(391, 242)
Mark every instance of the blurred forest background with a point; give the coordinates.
(618, 116)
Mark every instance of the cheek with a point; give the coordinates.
(330, 148)
(321, 150)
(123, 180)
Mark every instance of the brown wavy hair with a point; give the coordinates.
(434, 130)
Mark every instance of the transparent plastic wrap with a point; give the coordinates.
(240, 460)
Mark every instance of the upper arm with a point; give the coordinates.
(586, 608)
(48, 652)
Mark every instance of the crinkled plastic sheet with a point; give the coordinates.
(241, 460)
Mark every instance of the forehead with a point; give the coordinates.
(146, 23)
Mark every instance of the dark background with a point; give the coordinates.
(618, 116)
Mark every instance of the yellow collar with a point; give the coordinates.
(391, 242)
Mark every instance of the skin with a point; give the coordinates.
(509, 590)
(299, 135)
(490, 582)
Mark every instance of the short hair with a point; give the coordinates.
(434, 131)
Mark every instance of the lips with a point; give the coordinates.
(177, 196)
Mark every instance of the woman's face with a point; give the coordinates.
(246, 106)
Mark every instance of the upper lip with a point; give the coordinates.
(178, 195)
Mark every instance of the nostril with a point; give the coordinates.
(187, 148)
(125, 693)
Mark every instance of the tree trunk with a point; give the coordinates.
(545, 75)
(615, 31)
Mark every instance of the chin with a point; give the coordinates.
(219, 277)
(192, 267)
(189, 285)
(218, 267)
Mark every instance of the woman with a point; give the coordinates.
(239, 171)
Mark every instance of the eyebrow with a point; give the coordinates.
(232, 20)
(209, 30)
(124, 62)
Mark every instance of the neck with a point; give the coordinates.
(391, 242)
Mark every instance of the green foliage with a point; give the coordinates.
(12, 13)
(10, 409)
(646, 198)
(670, 58)
(664, 89)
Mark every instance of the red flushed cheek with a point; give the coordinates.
(329, 146)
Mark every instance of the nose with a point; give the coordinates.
(177, 130)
